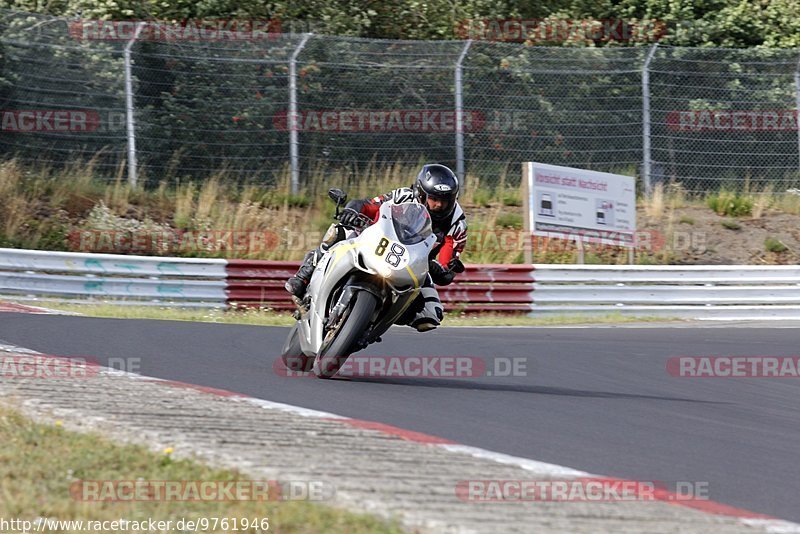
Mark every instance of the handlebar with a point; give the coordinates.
(362, 221)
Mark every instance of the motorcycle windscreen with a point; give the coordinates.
(412, 223)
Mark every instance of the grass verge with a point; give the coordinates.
(39, 463)
(219, 216)
(75, 209)
(272, 318)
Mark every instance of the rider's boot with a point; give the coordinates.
(432, 312)
(297, 284)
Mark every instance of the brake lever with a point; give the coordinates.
(364, 221)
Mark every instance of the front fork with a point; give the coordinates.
(357, 282)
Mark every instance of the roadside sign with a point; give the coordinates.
(580, 205)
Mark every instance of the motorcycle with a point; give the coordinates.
(364, 282)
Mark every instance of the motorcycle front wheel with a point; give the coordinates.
(331, 359)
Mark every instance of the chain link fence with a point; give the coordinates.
(725, 118)
(303, 105)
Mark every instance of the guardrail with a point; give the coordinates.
(697, 291)
(481, 288)
(728, 291)
(142, 280)
(32, 275)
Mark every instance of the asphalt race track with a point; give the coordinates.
(595, 399)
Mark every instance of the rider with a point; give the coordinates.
(437, 188)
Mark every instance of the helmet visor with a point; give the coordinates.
(440, 205)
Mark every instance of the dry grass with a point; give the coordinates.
(788, 202)
(42, 207)
(664, 198)
(763, 201)
(118, 196)
(266, 317)
(184, 206)
(655, 204)
(298, 219)
(677, 195)
(15, 210)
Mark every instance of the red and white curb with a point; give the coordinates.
(747, 518)
(752, 519)
(11, 307)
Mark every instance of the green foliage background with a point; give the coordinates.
(205, 107)
(726, 23)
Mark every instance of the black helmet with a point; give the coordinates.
(439, 182)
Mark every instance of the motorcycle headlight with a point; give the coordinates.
(384, 270)
(377, 263)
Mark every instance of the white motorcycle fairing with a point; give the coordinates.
(389, 260)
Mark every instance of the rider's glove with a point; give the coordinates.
(348, 217)
(440, 275)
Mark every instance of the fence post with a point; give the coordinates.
(646, 156)
(459, 115)
(294, 146)
(797, 103)
(130, 121)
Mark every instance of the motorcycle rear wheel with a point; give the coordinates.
(291, 354)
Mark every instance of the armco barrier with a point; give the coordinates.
(730, 291)
(482, 288)
(142, 280)
(147, 280)
(253, 283)
(697, 291)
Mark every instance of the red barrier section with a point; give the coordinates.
(481, 288)
(19, 308)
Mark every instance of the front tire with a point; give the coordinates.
(334, 355)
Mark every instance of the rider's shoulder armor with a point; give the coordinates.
(401, 195)
(458, 225)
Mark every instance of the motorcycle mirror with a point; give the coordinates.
(338, 196)
(458, 266)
